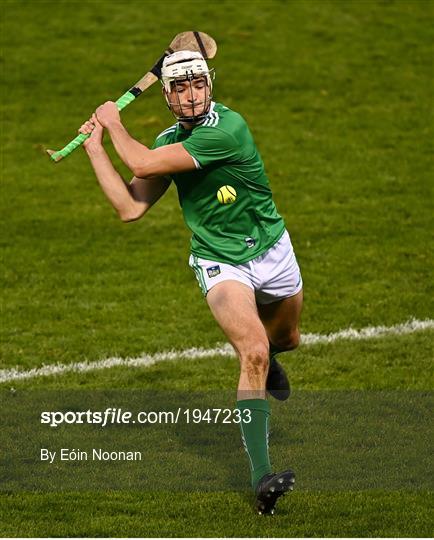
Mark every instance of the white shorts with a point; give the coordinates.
(274, 275)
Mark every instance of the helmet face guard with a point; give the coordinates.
(186, 67)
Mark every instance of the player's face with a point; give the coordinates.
(189, 98)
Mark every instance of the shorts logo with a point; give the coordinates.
(213, 271)
(251, 242)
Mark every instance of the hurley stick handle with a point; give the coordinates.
(121, 103)
(185, 41)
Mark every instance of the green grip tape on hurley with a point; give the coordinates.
(121, 103)
(70, 147)
(125, 100)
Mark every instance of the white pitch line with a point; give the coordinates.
(369, 332)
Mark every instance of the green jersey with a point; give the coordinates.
(225, 155)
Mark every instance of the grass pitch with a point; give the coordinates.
(339, 97)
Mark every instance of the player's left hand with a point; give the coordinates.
(108, 114)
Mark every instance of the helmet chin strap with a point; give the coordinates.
(194, 118)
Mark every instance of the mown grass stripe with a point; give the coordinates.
(146, 360)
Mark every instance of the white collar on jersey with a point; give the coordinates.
(210, 115)
(210, 119)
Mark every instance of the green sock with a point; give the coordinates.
(255, 436)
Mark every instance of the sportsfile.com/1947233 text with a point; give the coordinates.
(113, 415)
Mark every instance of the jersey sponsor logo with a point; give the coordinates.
(250, 242)
(213, 271)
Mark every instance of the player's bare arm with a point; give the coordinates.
(131, 201)
(192, 40)
(142, 161)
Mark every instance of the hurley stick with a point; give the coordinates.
(191, 41)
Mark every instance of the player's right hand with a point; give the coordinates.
(96, 131)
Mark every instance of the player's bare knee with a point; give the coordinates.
(255, 357)
(294, 339)
(289, 342)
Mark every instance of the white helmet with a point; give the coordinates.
(186, 66)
